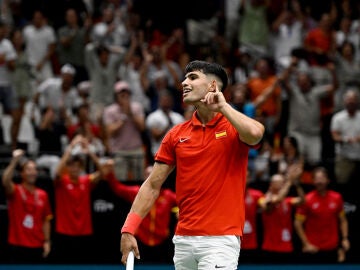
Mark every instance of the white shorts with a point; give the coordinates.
(206, 252)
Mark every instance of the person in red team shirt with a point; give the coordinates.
(319, 221)
(249, 241)
(154, 231)
(73, 214)
(29, 213)
(277, 215)
(210, 152)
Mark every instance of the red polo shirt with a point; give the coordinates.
(321, 215)
(278, 227)
(73, 206)
(211, 164)
(27, 213)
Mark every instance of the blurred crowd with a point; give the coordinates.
(101, 81)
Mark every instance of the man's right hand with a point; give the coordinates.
(128, 243)
(310, 248)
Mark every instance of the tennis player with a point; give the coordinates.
(210, 153)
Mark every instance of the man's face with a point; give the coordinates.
(29, 173)
(320, 181)
(195, 86)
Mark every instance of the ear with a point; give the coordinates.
(212, 86)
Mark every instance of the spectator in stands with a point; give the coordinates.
(22, 76)
(155, 230)
(277, 215)
(72, 39)
(347, 33)
(288, 31)
(160, 121)
(125, 122)
(59, 93)
(49, 134)
(83, 121)
(8, 96)
(347, 70)
(156, 63)
(40, 44)
(289, 155)
(345, 128)
(254, 20)
(130, 70)
(321, 41)
(321, 223)
(102, 65)
(111, 30)
(83, 89)
(270, 109)
(73, 223)
(29, 212)
(304, 110)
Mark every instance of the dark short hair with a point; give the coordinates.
(209, 68)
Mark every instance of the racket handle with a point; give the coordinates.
(130, 261)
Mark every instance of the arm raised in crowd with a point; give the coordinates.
(61, 169)
(7, 178)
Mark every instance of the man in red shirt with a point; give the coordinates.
(277, 215)
(249, 241)
(73, 214)
(154, 231)
(29, 213)
(319, 221)
(210, 152)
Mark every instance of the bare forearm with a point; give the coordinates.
(250, 131)
(47, 230)
(144, 200)
(344, 228)
(298, 225)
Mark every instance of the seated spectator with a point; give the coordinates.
(321, 223)
(29, 213)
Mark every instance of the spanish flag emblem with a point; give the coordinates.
(220, 134)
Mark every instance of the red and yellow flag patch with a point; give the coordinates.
(220, 134)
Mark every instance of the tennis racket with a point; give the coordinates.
(130, 261)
